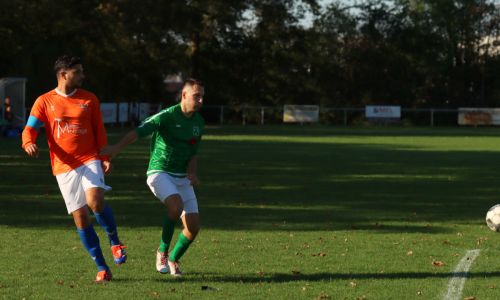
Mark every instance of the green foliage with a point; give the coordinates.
(415, 53)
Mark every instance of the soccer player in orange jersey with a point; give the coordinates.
(75, 134)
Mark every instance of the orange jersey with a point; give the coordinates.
(74, 128)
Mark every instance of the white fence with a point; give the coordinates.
(221, 114)
(135, 112)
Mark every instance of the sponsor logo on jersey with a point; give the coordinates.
(67, 128)
(196, 131)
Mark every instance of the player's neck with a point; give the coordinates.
(65, 90)
(185, 111)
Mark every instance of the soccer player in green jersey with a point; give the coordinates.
(176, 133)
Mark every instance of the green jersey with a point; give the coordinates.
(174, 141)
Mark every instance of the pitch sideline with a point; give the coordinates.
(456, 284)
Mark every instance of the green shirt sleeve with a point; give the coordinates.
(148, 126)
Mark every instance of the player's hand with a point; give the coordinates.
(106, 167)
(194, 179)
(32, 150)
(109, 150)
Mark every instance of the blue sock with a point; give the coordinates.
(107, 221)
(90, 241)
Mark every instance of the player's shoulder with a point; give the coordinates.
(199, 118)
(47, 96)
(161, 115)
(44, 99)
(172, 109)
(82, 93)
(169, 111)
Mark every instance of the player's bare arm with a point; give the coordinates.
(192, 171)
(113, 150)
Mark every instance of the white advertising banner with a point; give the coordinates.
(301, 113)
(108, 111)
(143, 111)
(123, 112)
(382, 112)
(478, 116)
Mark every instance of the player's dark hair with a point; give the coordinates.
(66, 62)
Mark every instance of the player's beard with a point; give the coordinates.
(76, 84)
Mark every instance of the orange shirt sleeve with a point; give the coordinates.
(36, 119)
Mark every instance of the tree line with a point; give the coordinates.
(414, 53)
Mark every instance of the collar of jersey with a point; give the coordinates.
(63, 94)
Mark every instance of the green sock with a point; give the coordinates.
(166, 234)
(180, 247)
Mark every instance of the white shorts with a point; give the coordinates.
(163, 185)
(74, 183)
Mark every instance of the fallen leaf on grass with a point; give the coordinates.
(470, 298)
(481, 240)
(353, 284)
(409, 253)
(323, 296)
(60, 282)
(438, 263)
(154, 294)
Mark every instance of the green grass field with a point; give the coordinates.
(288, 213)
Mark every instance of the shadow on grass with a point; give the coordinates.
(150, 214)
(283, 278)
(269, 185)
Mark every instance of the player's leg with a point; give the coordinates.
(90, 241)
(174, 206)
(191, 228)
(165, 190)
(74, 198)
(93, 184)
(191, 222)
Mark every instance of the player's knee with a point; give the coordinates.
(174, 212)
(96, 206)
(174, 208)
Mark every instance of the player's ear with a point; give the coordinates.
(61, 74)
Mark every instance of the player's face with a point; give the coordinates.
(74, 76)
(193, 97)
